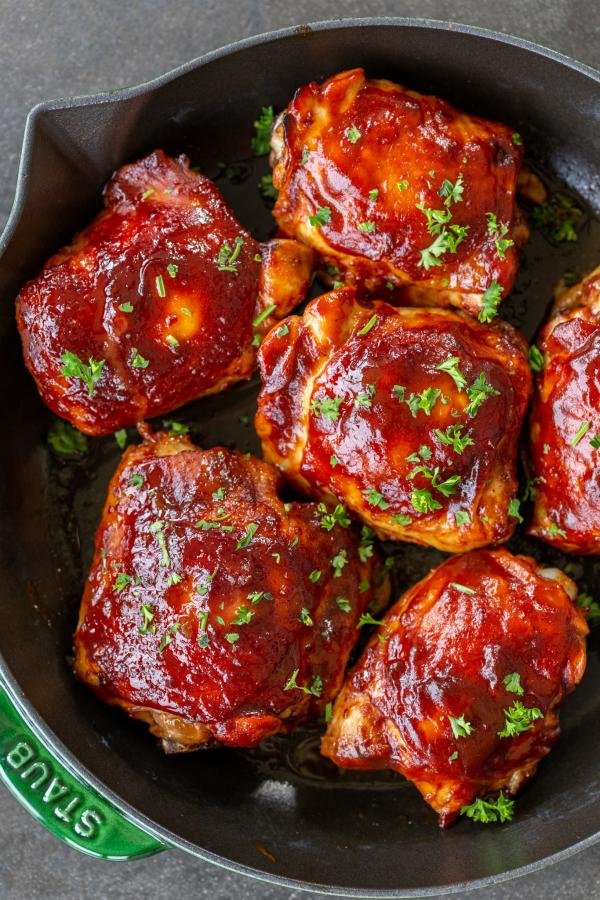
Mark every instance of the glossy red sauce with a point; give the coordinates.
(566, 466)
(446, 652)
(236, 688)
(159, 214)
(403, 137)
(371, 443)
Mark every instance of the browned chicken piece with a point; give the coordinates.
(411, 417)
(460, 687)
(400, 193)
(565, 423)
(214, 611)
(163, 298)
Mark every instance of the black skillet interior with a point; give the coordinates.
(357, 832)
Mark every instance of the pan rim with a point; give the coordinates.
(17, 696)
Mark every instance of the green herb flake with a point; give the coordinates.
(136, 480)
(305, 617)
(264, 314)
(329, 519)
(244, 541)
(158, 530)
(591, 607)
(176, 427)
(450, 366)
(462, 517)
(339, 561)
(401, 519)
(514, 509)
(581, 432)
(147, 614)
(453, 437)
(452, 193)
(519, 718)
(228, 257)
(490, 301)
(343, 604)
(66, 440)
(126, 307)
(321, 217)
(172, 341)
(402, 185)
(369, 325)
(595, 442)
(374, 498)
(512, 683)
(333, 461)
(90, 374)
(368, 619)
(460, 727)
(536, 359)
(423, 501)
(160, 286)
(172, 270)
(167, 638)
(353, 134)
(261, 142)
(267, 188)
(557, 219)
(137, 360)
(462, 588)
(314, 575)
(329, 407)
(479, 391)
(368, 227)
(485, 811)
(555, 529)
(232, 637)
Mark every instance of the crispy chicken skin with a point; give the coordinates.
(375, 156)
(446, 649)
(565, 423)
(354, 406)
(201, 624)
(157, 296)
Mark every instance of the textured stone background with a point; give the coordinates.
(53, 49)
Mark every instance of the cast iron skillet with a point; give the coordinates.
(282, 814)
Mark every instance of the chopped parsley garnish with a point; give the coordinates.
(148, 193)
(329, 407)
(374, 498)
(401, 519)
(402, 185)
(243, 615)
(581, 431)
(304, 157)
(175, 427)
(514, 509)
(490, 301)
(244, 541)
(231, 637)
(499, 232)
(592, 608)
(453, 756)
(121, 437)
(264, 314)
(557, 218)
(305, 617)
(160, 286)
(314, 575)
(172, 269)
(460, 727)
(321, 217)
(266, 187)
(373, 194)
(450, 366)
(137, 360)
(485, 811)
(365, 400)
(461, 587)
(446, 241)
(399, 392)
(157, 529)
(536, 359)
(368, 227)
(168, 636)
(423, 453)
(462, 517)
(333, 461)
(90, 374)
(126, 307)
(261, 142)
(339, 561)
(553, 528)
(172, 341)
(173, 578)
(228, 256)
(283, 330)
(66, 440)
(364, 585)
(343, 604)
(366, 328)
(147, 614)
(219, 494)
(203, 589)
(479, 391)
(453, 437)
(367, 619)
(328, 712)
(446, 487)
(516, 139)
(595, 441)
(423, 501)
(519, 718)
(426, 400)
(338, 516)
(315, 688)
(353, 134)
(512, 683)
(452, 193)
(122, 579)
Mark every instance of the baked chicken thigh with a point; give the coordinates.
(214, 611)
(565, 423)
(399, 191)
(162, 299)
(460, 687)
(409, 416)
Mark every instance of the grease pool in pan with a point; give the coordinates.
(77, 489)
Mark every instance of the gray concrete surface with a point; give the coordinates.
(54, 48)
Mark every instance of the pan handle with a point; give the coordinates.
(65, 805)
